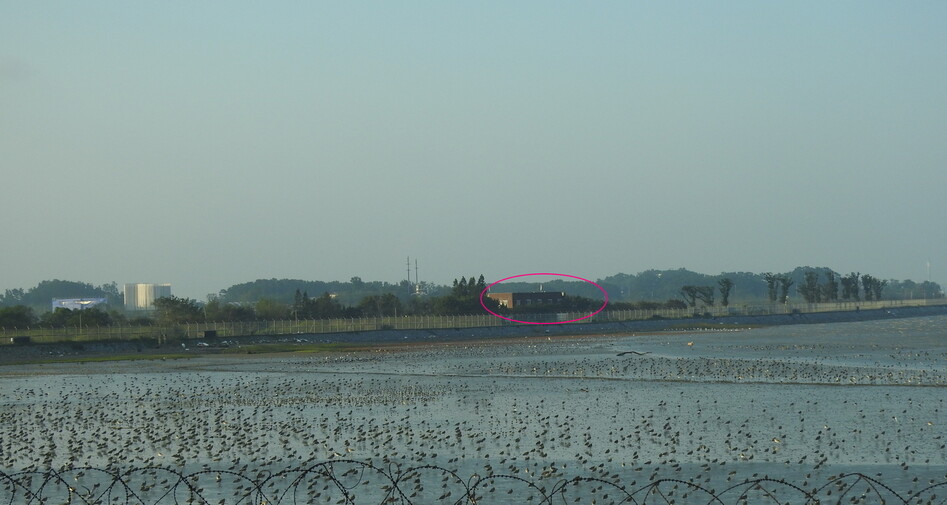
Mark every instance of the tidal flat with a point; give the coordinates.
(535, 419)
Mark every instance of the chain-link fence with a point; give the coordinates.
(226, 329)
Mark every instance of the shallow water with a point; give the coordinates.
(802, 403)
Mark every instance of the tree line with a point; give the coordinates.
(40, 296)
(271, 299)
(656, 285)
(463, 298)
(706, 294)
(853, 287)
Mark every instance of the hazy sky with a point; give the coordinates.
(211, 143)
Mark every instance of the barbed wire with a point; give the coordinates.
(351, 482)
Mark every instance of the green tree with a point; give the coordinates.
(13, 297)
(850, 286)
(390, 305)
(872, 286)
(63, 317)
(930, 289)
(830, 287)
(17, 316)
(271, 310)
(772, 281)
(326, 307)
(725, 285)
(215, 310)
(39, 297)
(57, 318)
(877, 286)
(298, 303)
(174, 310)
(302, 305)
(115, 297)
(810, 289)
(280, 290)
(785, 282)
(464, 298)
(380, 306)
(867, 281)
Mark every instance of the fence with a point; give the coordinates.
(355, 482)
(230, 329)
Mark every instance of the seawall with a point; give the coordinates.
(638, 326)
(12, 354)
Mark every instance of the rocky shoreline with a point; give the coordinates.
(13, 354)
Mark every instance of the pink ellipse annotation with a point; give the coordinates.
(600, 288)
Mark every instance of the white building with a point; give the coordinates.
(143, 296)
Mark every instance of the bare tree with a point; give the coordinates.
(689, 294)
(706, 295)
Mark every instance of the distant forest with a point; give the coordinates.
(294, 298)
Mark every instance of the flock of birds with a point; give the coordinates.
(542, 411)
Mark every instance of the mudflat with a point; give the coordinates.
(799, 403)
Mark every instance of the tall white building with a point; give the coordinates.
(143, 296)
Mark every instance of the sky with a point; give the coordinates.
(208, 144)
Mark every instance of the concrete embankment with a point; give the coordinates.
(639, 326)
(37, 352)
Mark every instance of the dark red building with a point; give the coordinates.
(513, 300)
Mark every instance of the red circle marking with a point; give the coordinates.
(600, 288)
